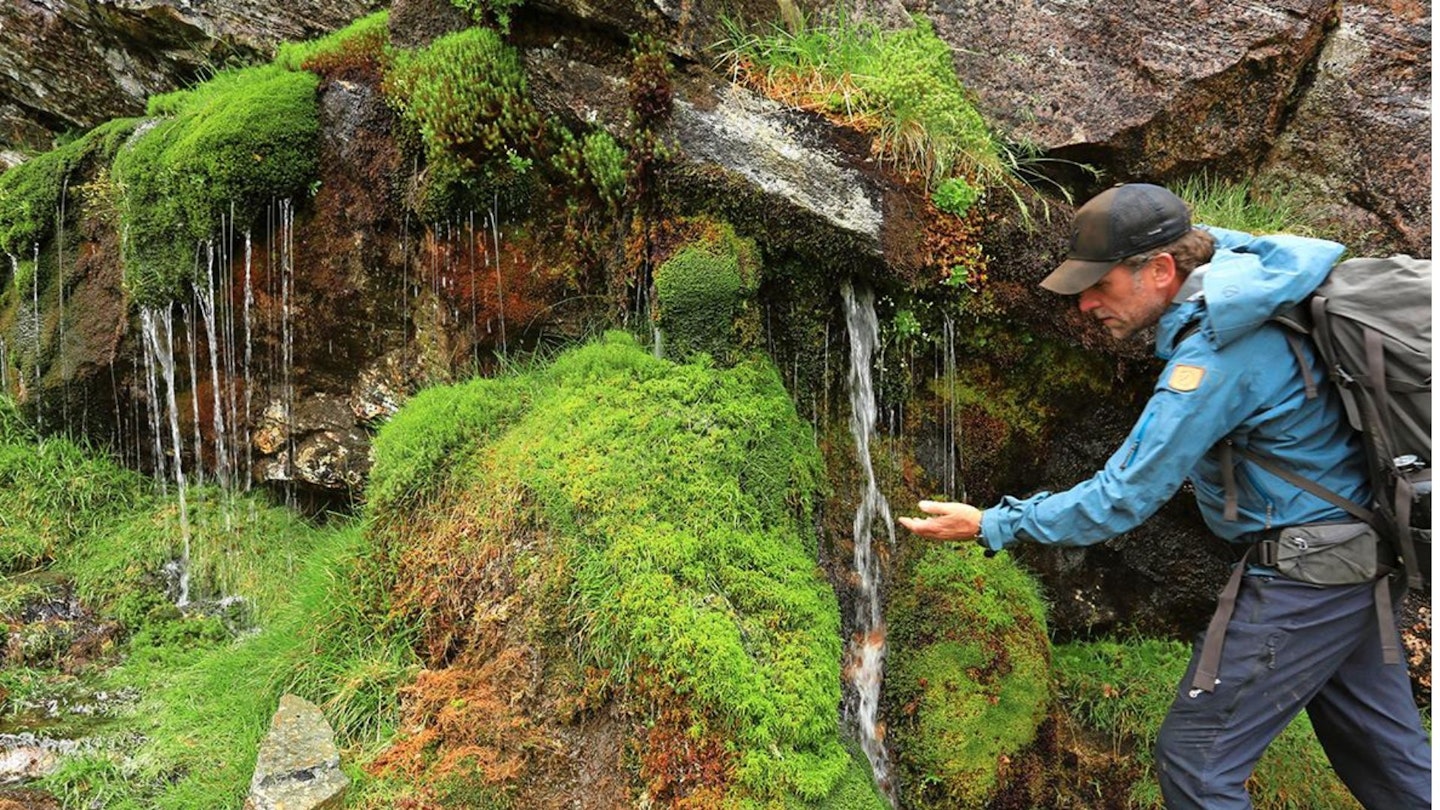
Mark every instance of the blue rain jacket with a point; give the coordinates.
(1237, 378)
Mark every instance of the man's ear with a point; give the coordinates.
(1166, 276)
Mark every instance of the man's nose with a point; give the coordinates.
(1088, 301)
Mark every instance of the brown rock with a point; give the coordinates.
(1358, 145)
(1142, 87)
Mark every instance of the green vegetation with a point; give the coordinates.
(490, 12)
(954, 195)
(244, 138)
(1124, 689)
(968, 674)
(901, 83)
(369, 35)
(465, 94)
(701, 291)
(30, 194)
(208, 695)
(659, 513)
(1242, 206)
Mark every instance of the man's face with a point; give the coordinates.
(1125, 300)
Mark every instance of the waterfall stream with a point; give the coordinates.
(865, 660)
(160, 354)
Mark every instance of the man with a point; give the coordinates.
(1232, 379)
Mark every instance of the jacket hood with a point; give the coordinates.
(1249, 280)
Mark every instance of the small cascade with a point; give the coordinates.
(4, 373)
(499, 282)
(865, 659)
(952, 410)
(160, 354)
(287, 339)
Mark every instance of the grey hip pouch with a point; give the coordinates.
(1328, 553)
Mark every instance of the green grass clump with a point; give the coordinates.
(1242, 206)
(901, 81)
(54, 496)
(30, 194)
(466, 96)
(244, 138)
(673, 503)
(701, 291)
(968, 674)
(1124, 689)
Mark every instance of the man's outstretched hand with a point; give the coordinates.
(947, 521)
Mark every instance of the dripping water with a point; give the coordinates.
(159, 342)
(865, 658)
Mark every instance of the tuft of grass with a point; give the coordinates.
(1243, 206)
(900, 84)
(1124, 688)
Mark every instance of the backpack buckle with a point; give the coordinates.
(1267, 552)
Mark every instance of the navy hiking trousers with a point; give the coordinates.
(1292, 646)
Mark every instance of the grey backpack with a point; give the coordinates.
(1370, 321)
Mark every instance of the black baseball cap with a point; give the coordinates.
(1117, 223)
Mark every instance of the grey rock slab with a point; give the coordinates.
(298, 767)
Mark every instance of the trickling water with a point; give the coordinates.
(249, 386)
(866, 657)
(287, 330)
(160, 346)
(189, 319)
(205, 294)
(499, 282)
(35, 275)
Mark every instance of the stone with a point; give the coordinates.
(1139, 86)
(1358, 144)
(298, 767)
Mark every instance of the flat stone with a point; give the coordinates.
(298, 767)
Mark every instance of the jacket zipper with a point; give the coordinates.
(1262, 492)
(1139, 437)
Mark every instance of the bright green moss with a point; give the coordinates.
(30, 194)
(466, 96)
(370, 33)
(1124, 689)
(701, 292)
(955, 195)
(968, 673)
(677, 497)
(243, 139)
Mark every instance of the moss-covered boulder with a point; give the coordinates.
(612, 564)
(969, 677)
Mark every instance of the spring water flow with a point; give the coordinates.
(865, 660)
(160, 353)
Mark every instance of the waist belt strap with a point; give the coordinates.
(1207, 669)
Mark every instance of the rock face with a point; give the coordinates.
(1332, 97)
(1359, 139)
(73, 64)
(299, 766)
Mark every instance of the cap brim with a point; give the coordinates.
(1075, 275)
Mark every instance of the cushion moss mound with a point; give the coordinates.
(235, 143)
(702, 290)
(968, 677)
(616, 536)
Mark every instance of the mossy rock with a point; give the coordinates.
(236, 143)
(703, 293)
(969, 676)
(645, 528)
